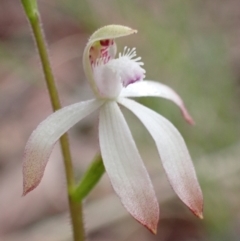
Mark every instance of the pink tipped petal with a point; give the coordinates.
(174, 155)
(150, 88)
(125, 168)
(43, 139)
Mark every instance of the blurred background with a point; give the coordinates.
(192, 46)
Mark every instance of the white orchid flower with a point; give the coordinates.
(113, 80)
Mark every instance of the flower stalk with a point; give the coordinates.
(32, 13)
(89, 179)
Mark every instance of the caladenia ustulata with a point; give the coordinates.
(114, 79)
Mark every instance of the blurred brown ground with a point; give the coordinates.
(24, 102)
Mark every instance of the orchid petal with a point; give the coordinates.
(106, 32)
(174, 155)
(151, 88)
(44, 137)
(125, 168)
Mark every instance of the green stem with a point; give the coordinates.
(31, 10)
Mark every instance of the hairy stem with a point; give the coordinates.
(30, 7)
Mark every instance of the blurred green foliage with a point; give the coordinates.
(183, 49)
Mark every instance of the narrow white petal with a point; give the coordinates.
(174, 155)
(44, 137)
(151, 88)
(125, 168)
